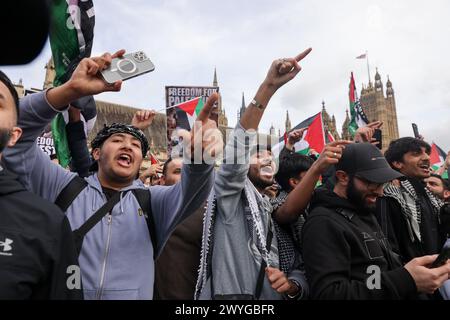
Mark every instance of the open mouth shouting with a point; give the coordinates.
(425, 167)
(125, 160)
(267, 171)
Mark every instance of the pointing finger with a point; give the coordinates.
(302, 55)
(119, 53)
(206, 111)
(339, 143)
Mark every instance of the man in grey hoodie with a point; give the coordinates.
(241, 256)
(117, 255)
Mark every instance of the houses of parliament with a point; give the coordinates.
(376, 105)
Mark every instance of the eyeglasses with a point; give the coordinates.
(371, 186)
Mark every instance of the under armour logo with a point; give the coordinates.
(6, 246)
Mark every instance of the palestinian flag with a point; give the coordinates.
(187, 113)
(330, 137)
(313, 138)
(358, 117)
(71, 37)
(153, 159)
(437, 158)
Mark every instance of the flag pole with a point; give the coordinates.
(368, 69)
(176, 105)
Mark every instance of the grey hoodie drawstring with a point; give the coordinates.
(121, 207)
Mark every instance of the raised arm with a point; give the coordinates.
(34, 168)
(298, 199)
(85, 81)
(170, 205)
(233, 172)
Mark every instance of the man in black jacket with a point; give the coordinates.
(37, 254)
(409, 213)
(345, 253)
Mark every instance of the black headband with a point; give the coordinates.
(114, 128)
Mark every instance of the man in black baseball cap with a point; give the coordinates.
(345, 253)
(366, 161)
(367, 170)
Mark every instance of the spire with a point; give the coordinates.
(389, 89)
(243, 108)
(325, 115)
(272, 130)
(377, 75)
(215, 83)
(288, 122)
(50, 74)
(345, 125)
(388, 83)
(378, 84)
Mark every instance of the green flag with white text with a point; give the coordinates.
(71, 36)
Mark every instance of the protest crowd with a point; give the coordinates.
(218, 221)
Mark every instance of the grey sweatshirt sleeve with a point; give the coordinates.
(33, 167)
(231, 176)
(298, 274)
(171, 205)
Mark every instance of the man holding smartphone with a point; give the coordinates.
(345, 252)
(117, 254)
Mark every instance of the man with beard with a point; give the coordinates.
(120, 225)
(345, 253)
(409, 213)
(37, 251)
(242, 256)
(439, 186)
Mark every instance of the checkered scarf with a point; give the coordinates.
(406, 196)
(253, 206)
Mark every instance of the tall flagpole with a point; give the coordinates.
(368, 69)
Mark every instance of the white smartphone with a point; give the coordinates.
(129, 66)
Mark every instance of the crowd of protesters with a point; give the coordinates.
(348, 223)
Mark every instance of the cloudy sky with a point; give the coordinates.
(407, 40)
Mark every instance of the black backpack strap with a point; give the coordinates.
(70, 192)
(262, 270)
(94, 219)
(143, 197)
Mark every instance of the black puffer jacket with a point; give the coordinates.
(37, 254)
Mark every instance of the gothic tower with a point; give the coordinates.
(272, 130)
(378, 107)
(222, 118)
(288, 125)
(50, 74)
(329, 124)
(242, 109)
(345, 131)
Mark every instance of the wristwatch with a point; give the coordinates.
(299, 292)
(257, 104)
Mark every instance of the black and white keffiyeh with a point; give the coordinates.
(254, 209)
(406, 196)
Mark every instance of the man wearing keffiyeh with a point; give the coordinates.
(240, 251)
(409, 213)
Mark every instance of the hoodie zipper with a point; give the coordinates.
(102, 277)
